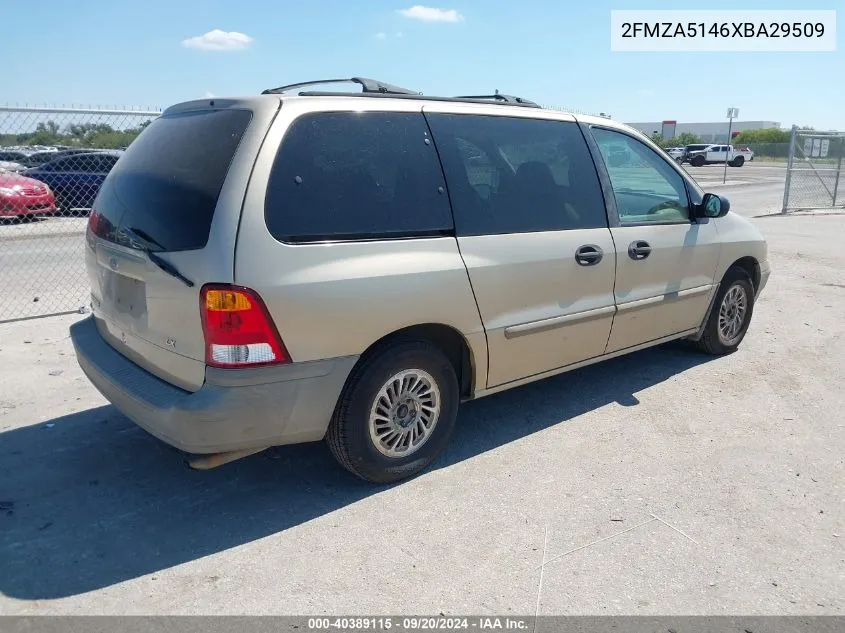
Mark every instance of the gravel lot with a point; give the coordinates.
(665, 482)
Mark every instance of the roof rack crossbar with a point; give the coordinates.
(367, 86)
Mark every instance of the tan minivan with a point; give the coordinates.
(307, 264)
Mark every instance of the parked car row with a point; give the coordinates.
(66, 180)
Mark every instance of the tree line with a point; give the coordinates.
(93, 135)
(745, 137)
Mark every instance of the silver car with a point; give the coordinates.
(306, 265)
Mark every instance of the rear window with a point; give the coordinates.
(349, 175)
(165, 187)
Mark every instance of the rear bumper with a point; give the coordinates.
(233, 410)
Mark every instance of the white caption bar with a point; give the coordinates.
(736, 31)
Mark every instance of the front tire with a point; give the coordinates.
(396, 413)
(731, 314)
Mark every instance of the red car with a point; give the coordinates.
(22, 196)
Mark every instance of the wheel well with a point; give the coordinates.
(751, 268)
(451, 342)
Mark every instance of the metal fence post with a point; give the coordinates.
(729, 146)
(838, 168)
(789, 169)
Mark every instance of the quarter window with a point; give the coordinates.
(646, 187)
(351, 175)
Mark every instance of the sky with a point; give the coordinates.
(155, 53)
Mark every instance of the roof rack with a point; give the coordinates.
(368, 86)
(509, 99)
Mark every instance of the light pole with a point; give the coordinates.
(732, 114)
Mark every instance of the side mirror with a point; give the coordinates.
(713, 206)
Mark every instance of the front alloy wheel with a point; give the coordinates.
(732, 315)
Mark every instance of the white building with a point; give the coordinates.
(707, 132)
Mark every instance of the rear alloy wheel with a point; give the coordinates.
(697, 161)
(405, 413)
(396, 413)
(738, 161)
(731, 314)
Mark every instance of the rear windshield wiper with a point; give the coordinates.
(150, 247)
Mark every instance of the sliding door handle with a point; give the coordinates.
(639, 249)
(589, 255)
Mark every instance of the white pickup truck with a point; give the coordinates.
(718, 154)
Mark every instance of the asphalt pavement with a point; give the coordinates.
(753, 189)
(41, 272)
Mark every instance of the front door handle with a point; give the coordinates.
(639, 249)
(589, 255)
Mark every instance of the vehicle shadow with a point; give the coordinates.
(89, 500)
(20, 219)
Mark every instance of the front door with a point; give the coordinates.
(532, 229)
(666, 261)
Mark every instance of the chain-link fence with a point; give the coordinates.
(767, 152)
(814, 178)
(52, 163)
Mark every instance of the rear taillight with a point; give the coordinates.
(93, 221)
(238, 329)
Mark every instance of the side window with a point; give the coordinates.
(515, 175)
(62, 164)
(90, 163)
(646, 187)
(548, 153)
(480, 169)
(348, 175)
(80, 162)
(105, 163)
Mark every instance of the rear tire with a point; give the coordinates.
(738, 161)
(697, 161)
(396, 413)
(731, 314)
